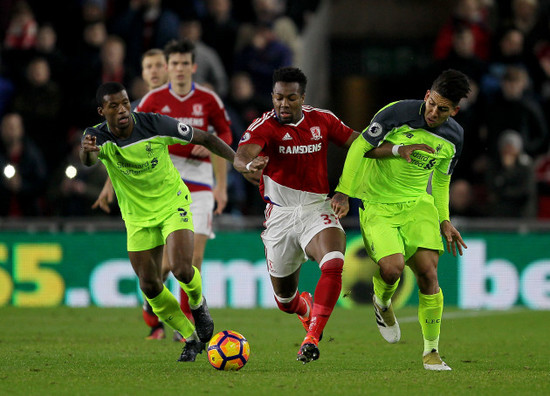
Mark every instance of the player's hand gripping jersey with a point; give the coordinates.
(143, 176)
(297, 170)
(200, 108)
(394, 180)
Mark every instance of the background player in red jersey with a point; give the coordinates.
(289, 143)
(200, 107)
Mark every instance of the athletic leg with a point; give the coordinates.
(386, 278)
(290, 300)
(156, 327)
(198, 256)
(430, 305)
(287, 296)
(327, 248)
(201, 207)
(180, 255)
(146, 265)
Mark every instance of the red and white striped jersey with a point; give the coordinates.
(296, 173)
(200, 108)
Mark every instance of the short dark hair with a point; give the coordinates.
(107, 88)
(290, 75)
(180, 47)
(452, 84)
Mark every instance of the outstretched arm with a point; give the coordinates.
(247, 160)
(340, 201)
(440, 192)
(387, 149)
(349, 178)
(213, 143)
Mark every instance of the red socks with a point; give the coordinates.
(150, 319)
(296, 305)
(184, 304)
(327, 292)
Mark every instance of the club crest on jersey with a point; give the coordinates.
(245, 137)
(197, 110)
(148, 149)
(375, 129)
(315, 133)
(184, 130)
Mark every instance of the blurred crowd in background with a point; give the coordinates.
(52, 61)
(504, 47)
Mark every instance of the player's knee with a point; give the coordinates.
(332, 262)
(184, 272)
(391, 268)
(288, 304)
(427, 275)
(390, 274)
(150, 287)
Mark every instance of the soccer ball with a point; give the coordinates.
(228, 350)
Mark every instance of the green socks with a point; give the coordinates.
(430, 311)
(167, 308)
(193, 289)
(382, 291)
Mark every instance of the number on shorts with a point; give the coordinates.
(327, 218)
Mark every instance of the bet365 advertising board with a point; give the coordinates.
(497, 271)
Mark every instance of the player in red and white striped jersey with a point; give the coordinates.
(289, 144)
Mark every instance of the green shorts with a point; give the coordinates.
(145, 238)
(400, 227)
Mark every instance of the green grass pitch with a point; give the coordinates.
(101, 351)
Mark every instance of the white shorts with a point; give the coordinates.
(202, 209)
(288, 232)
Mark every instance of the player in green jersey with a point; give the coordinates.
(154, 203)
(389, 168)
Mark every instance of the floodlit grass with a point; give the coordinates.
(100, 351)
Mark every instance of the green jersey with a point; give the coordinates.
(394, 180)
(143, 176)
